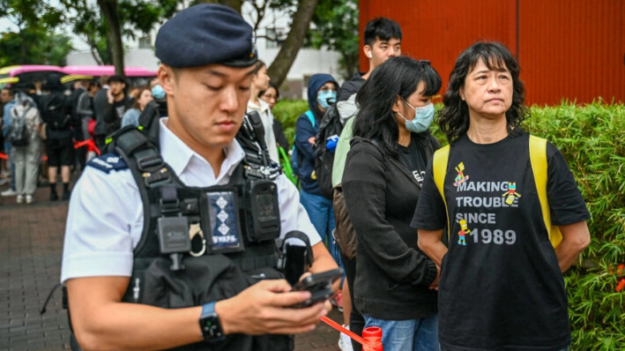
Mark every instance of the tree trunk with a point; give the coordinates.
(109, 11)
(23, 43)
(109, 53)
(288, 52)
(94, 50)
(351, 65)
(235, 4)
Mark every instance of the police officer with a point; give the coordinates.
(207, 67)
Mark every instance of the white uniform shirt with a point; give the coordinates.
(267, 118)
(105, 219)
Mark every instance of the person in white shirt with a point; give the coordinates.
(260, 82)
(207, 92)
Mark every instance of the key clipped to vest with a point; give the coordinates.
(173, 229)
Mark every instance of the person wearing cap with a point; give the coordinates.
(207, 92)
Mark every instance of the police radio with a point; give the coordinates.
(263, 210)
(261, 194)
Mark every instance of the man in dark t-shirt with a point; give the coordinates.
(501, 286)
(117, 104)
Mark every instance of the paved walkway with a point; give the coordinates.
(31, 243)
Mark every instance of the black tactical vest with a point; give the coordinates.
(203, 274)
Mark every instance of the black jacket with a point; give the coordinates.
(111, 116)
(350, 87)
(392, 275)
(100, 101)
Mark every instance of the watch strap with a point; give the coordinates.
(210, 324)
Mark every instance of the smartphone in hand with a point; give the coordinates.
(319, 285)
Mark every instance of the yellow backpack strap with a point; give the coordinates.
(540, 168)
(439, 169)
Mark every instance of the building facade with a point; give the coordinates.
(568, 49)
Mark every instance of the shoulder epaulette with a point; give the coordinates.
(107, 163)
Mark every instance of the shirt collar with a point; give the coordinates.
(178, 155)
(261, 107)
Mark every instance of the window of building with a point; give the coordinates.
(274, 38)
(145, 42)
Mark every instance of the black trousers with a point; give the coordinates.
(356, 320)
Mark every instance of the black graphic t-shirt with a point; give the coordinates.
(120, 108)
(413, 160)
(501, 287)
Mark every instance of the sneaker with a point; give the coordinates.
(65, 196)
(345, 342)
(337, 301)
(4, 181)
(9, 192)
(54, 196)
(19, 199)
(29, 199)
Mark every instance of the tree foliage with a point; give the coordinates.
(33, 37)
(336, 27)
(107, 22)
(40, 48)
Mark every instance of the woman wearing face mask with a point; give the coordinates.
(391, 147)
(322, 90)
(131, 117)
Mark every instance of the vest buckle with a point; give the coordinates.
(149, 161)
(153, 179)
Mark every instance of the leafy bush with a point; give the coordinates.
(592, 140)
(287, 112)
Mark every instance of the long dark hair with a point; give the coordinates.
(398, 76)
(453, 119)
(271, 85)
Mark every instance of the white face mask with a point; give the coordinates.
(422, 119)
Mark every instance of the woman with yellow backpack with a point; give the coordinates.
(514, 217)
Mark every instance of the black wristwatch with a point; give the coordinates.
(210, 325)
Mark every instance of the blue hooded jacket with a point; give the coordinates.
(304, 131)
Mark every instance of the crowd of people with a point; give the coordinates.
(452, 248)
(59, 121)
(417, 224)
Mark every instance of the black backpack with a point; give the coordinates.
(18, 131)
(330, 129)
(54, 112)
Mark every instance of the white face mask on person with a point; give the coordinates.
(422, 118)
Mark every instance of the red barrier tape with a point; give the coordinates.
(90, 144)
(338, 327)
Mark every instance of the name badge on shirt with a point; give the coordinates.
(221, 219)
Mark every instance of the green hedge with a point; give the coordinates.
(287, 112)
(592, 140)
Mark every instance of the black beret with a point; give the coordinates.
(204, 34)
